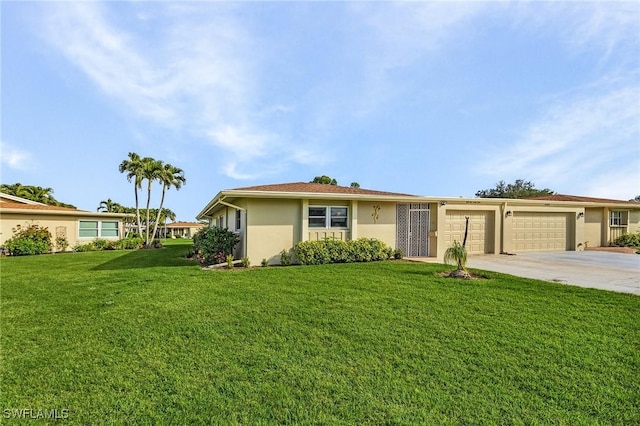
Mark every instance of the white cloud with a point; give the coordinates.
(15, 158)
(574, 143)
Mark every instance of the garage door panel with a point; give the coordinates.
(480, 235)
(540, 231)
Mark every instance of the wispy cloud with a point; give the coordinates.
(571, 143)
(198, 77)
(15, 158)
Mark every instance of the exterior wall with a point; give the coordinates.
(272, 226)
(594, 224)
(58, 225)
(383, 228)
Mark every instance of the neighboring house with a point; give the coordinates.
(272, 218)
(77, 226)
(182, 229)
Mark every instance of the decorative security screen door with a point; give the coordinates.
(412, 235)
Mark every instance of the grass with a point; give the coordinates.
(146, 337)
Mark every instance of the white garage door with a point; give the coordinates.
(480, 236)
(540, 231)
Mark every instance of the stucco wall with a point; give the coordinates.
(272, 226)
(593, 226)
(383, 228)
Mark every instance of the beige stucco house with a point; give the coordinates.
(272, 218)
(77, 226)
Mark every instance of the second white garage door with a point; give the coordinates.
(480, 236)
(540, 231)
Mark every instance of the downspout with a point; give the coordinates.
(503, 218)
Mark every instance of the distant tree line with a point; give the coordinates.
(326, 180)
(33, 193)
(519, 189)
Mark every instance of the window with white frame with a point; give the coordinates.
(617, 218)
(328, 217)
(98, 229)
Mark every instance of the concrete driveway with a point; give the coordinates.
(595, 269)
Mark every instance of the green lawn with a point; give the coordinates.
(147, 337)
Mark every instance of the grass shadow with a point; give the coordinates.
(172, 256)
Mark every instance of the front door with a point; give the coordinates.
(412, 235)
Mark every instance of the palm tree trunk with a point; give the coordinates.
(155, 226)
(148, 202)
(135, 187)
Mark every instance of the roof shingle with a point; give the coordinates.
(317, 188)
(580, 199)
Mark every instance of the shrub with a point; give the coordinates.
(229, 261)
(264, 263)
(61, 244)
(245, 262)
(628, 240)
(102, 244)
(29, 241)
(129, 243)
(81, 248)
(337, 251)
(398, 254)
(212, 245)
(285, 258)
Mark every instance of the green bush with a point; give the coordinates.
(331, 250)
(285, 258)
(29, 241)
(129, 243)
(212, 245)
(81, 248)
(628, 240)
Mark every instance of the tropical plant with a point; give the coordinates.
(110, 206)
(133, 167)
(169, 176)
(33, 193)
(457, 254)
(140, 169)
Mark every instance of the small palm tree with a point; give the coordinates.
(457, 254)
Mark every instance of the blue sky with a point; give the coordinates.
(428, 98)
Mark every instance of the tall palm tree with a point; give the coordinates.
(151, 171)
(166, 214)
(134, 169)
(169, 176)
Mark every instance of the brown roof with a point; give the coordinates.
(317, 188)
(580, 199)
(184, 224)
(15, 205)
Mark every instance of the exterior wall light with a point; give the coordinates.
(581, 214)
(443, 203)
(509, 213)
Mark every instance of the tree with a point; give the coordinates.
(151, 171)
(636, 200)
(134, 169)
(519, 189)
(110, 206)
(354, 185)
(33, 193)
(325, 180)
(457, 254)
(168, 176)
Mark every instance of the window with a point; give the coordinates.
(238, 220)
(617, 218)
(88, 229)
(328, 217)
(98, 229)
